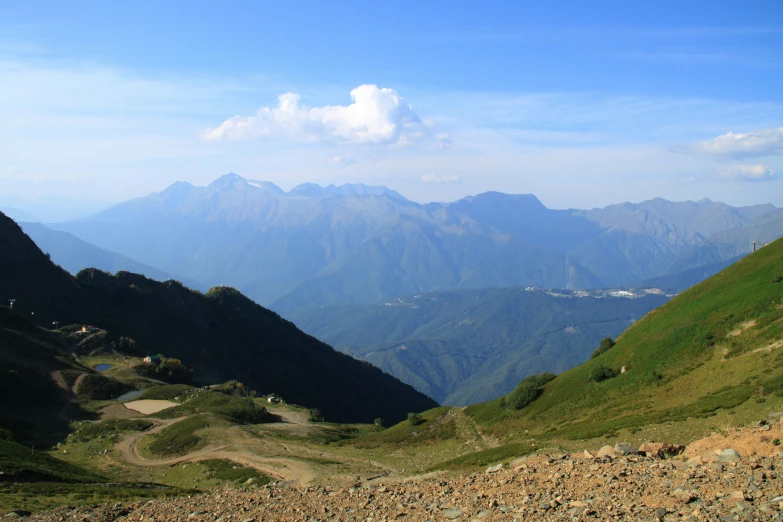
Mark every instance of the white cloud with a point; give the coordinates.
(748, 173)
(757, 143)
(341, 161)
(377, 115)
(434, 178)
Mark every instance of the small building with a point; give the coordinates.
(152, 359)
(273, 400)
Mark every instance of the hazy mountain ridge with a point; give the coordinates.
(358, 244)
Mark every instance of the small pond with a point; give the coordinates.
(102, 367)
(135, 394)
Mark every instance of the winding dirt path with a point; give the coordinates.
(278, 467)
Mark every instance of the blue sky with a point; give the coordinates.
(582, 103)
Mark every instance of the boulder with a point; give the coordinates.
(606, 451)
(494, 469)
(621, 449)
(683, 495)
(729, 455)
(775, 416)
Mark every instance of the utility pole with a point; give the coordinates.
(11, 303)
(55, 323)
(757, 243)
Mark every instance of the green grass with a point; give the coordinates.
(683, 361)
(182, 437)
(49, 495)
(98, 387)
(21, 464)
(486, 457)
(167, 393)
(435, 428)
(229, 471)
(240, 410)
(91, 430)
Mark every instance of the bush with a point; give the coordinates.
(527, 391)
(234, 388)
(379, 422)
(414, 419)
(602, 373)
(168, 370)
(316, 415)
(606, 344)
(98, 387)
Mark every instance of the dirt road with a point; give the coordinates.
(278, 467)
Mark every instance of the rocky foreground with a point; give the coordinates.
(615, 483)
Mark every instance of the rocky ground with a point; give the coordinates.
(614, 483)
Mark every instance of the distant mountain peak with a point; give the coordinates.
(266, 186)
(230, 180)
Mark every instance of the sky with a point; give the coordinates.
(583, 104)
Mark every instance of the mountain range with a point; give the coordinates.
(314, 246)
(221, 333)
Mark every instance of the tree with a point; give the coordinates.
(414, 419)
(602, 373)
(606, 344)
(316, 415)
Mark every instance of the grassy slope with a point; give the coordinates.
(694, 355)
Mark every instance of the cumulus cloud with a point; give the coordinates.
(434, 178)
(756, 143)
(376, 115)
(748, 173)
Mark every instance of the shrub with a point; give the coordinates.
(414, 419)
(602, 373)
(316, 415)
(235, 388)
(168, 370)
(526, 391)
(522, 395)
(98, 387)
(379, 422)
(606, 344)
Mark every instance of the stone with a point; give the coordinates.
(606, 451)
(775, 416)
(683, 495)
(451, 513)
(494, 469)
(729, 455)
(623, 448)
(588, 455)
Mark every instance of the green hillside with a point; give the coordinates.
(717, 346)
(465, 346)
(222, 334)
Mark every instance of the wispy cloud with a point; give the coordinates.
(743, 145)
(751, 173)
(376, 115)
(434, 178)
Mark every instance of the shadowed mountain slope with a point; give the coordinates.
(222, 334)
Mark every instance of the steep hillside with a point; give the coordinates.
(315, 246)
(34, 406)
(716, 346)
(223, 334)
(466, 346)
